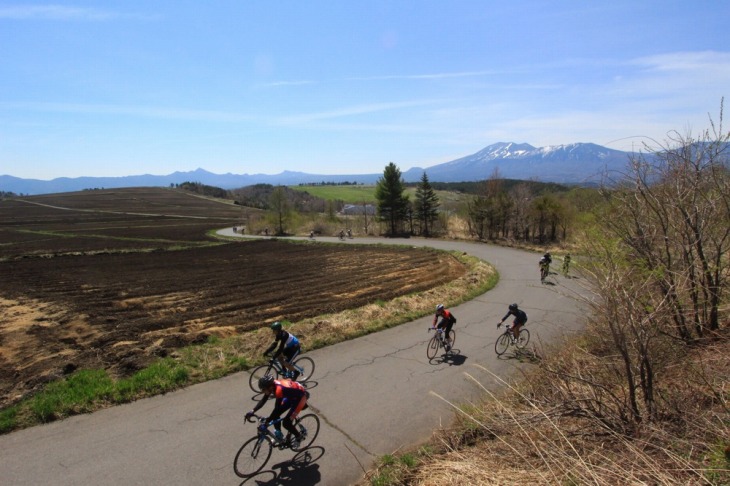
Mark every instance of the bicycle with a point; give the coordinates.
(506, 339)
(304, 364)
(341, 236)
(544, 271)
(437, 341)
(255, 452)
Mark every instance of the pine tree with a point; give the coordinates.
(427, 204)
(392, 203)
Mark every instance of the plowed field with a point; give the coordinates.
(94, 281)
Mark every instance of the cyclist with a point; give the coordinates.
(289, 348)
(447, 322)
(290, 396)
(566, 264)
(520, 320)
(544, 263)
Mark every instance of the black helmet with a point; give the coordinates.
(513, 307)
(276, 326)
(265, 382)
(439, 307)
(547, 254)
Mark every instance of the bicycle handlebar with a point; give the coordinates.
(263, 420)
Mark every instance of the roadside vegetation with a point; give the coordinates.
(88, 390)
(643, 396)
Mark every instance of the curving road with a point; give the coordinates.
(375, 395)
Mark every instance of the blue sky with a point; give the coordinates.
(344, 87)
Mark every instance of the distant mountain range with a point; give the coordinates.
(578, 163)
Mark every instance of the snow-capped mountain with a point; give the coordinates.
(573, 163)
(578, 163)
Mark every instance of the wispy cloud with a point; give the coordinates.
(275, 84)
(125, 110)
(698, 62)
(62, 13)
(351, 111)
(388, 77)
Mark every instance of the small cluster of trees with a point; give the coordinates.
(396, 210)
(518, 214)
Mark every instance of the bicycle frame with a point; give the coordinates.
(276, 365)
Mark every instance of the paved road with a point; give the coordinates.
(375, 394)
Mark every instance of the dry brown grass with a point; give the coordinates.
(213, 359)
(528, 434)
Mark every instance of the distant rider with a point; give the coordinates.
(290, 396)
(447, 322)
(519, 321)
(289, 348)
(544, 263)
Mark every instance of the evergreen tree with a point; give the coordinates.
(427, 204)
(392, 203)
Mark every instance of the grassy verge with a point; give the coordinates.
(532, 432)
(89, 390)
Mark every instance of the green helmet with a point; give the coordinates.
(276, 326)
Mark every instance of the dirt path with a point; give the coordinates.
(375, 394)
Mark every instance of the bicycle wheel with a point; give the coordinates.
(502, 344)
(308, 426)
(263, 370)
(252, 457)
(306, 368)
(433, 347)
(523, 339)
(452, 337)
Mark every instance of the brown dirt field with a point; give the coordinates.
(127, 294)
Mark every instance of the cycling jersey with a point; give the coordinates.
(286, 340)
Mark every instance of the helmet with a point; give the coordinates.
(547, 254)
(439, 307)
(513, 307)
(276, 326)
(265, 382)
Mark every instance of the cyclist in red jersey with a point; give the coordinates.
(290, 396)
(446, 323)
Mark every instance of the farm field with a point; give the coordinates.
(113, 279)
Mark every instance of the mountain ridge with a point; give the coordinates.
(576, 163)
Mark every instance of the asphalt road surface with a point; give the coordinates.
(375, 395)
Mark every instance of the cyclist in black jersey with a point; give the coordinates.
(289, 348)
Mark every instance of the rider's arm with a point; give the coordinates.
(261, 403)
(282, 343)
(270, 348)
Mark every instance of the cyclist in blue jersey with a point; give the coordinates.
(289, 348)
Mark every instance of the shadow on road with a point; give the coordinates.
(302, 470)
(453, 358)
(523, 355)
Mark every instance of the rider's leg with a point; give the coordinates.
(290, 354)
(288, 421)
(516, 330)
(447, 333)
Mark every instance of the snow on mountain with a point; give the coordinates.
(577, 163)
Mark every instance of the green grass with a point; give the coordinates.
(364, 194)
(89, 390)
(349, 194)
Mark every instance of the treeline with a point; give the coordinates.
(324, 183)
(260, 196)
(203, 190)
